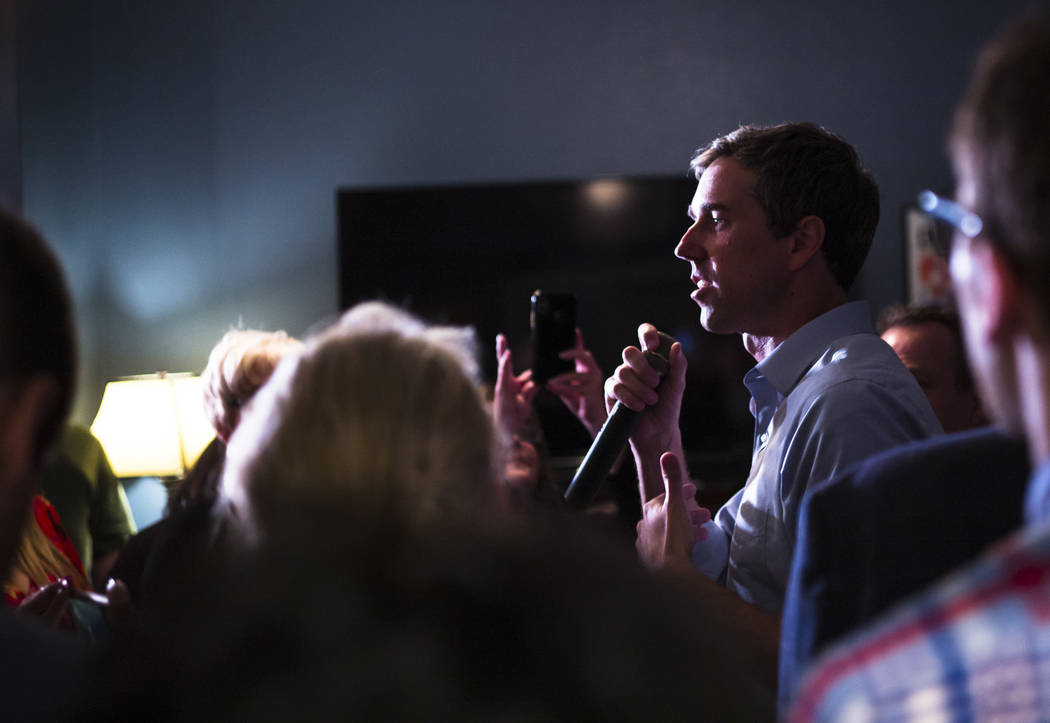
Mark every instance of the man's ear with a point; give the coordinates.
(999, 290)
(806, 241)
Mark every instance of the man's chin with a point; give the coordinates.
(712, 323)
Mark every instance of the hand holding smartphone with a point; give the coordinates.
(553, 325)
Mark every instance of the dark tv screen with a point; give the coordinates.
(473, 254)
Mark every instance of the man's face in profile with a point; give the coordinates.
(970, 270)
(738, 266)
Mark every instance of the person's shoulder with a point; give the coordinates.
(976, 453)
(861, 375)
(1000, 596)
(854, 364)
(974, 458)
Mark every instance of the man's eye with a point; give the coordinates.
(717, 220)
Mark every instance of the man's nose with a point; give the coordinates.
(689, 246)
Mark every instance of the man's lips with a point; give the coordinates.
(700, 283)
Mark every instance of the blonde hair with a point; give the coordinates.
(238, 365)
(39, 562)
(380, 413)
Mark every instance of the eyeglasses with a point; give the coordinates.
(966, 222)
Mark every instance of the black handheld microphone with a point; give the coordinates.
(612, 437)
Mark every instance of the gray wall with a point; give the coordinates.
(10, 162)
(183, 157)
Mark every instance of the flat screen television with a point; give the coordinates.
(473, 254)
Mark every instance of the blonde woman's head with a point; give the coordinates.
(237, 367)
(379, 414)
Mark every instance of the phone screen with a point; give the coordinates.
(90, 619)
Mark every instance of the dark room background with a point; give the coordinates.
(184, 157)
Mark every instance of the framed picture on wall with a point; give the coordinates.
(925, 258)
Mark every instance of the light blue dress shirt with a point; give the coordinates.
(830, 395)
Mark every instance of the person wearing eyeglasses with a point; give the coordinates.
(977, 644)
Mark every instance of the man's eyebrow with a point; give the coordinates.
(706, 207)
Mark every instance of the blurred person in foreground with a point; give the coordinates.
(37, 363)
(976, 645)
(379, 411)
(381, 575)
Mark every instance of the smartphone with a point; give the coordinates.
(87, 610)
(553, 325)
(90, 597)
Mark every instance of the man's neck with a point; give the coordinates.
(761, 345)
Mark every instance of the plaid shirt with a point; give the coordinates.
(974, 647)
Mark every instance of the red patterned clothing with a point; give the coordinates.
(46, 554)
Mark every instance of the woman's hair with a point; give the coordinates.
(239, 364)
(380, 413)
(39, 559)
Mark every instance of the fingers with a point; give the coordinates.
(529, 390)
(639, 364)
(573, 383)
(675, 379)
(57, 604)
(505, 367)
(648, 337)
(565, 385)
(672, 474)
(48, 603)
(634, 382)
(700, 516)
(583, 357)
(119, 611)
(117, 592)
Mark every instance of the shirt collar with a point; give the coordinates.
(789, 361)
(1037, 497)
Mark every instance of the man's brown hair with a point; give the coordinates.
(1001, 140)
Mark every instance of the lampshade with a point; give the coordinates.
(152, 425)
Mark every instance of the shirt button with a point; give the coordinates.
(764, 438)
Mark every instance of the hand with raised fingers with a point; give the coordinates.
(665, 532)
(512, 398)
(582, 390)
